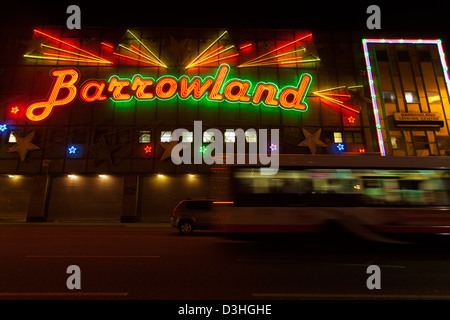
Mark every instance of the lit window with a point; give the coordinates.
(187, 137)
(411, 97)
(397, 142)
(337, 137)
(144, 137)
(230, 136)
(166, 136)
(250, 136)
(208, 137)
(389, 96)
(12, 137)
(433, 97)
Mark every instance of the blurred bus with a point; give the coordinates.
(364, 194)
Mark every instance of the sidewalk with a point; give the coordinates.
(155, 224)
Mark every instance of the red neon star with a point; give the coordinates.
(15, 110)
(148, 149)
(351, 119)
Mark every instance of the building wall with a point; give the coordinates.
(161, 193)
(85, 198)
(106, 134)
(410, 79)
(15, 194)
(122, 140)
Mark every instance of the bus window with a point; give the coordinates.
(341, 187)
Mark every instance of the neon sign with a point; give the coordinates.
(214, 88)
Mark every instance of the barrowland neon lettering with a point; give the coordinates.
(213, 88)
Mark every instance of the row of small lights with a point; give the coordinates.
(102, 175)
(159, 175)
(105, 176)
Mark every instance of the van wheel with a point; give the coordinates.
(186, 227)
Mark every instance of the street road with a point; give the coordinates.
(139, 261)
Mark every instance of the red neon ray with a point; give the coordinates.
(245, 46)
(108, 45)
(330, 96)
(264, 57)
(140, 57)
(210, 55)
(86, 56)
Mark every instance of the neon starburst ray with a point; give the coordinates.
(145, 56)
(72, 53)
(333, 95)
(273, 57)
(138, 55)
(209, 55)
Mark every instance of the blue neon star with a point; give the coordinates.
(3, 128)
(72, 150)
(340, 147)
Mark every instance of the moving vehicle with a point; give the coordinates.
(191, 214)
(368, 195)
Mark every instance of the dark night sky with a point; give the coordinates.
(407, 16)
(400, 19)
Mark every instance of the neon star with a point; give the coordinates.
(72, 150)
(15, 110)
(3, 128)
(148, 149)
(273, 147)
(351, 119)
(340, 147)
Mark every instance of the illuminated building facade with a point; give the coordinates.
(86, 116)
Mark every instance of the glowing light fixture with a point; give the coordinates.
(102, 176)
(108, 45)
(72, 150)
(331, 96)
(142, 56)
(160, 176)
(151, 56)
(245, 46)
(79, 55)
(269, 59)
(373, 94)
(148, 149)
(72, 176)
(207, 57)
